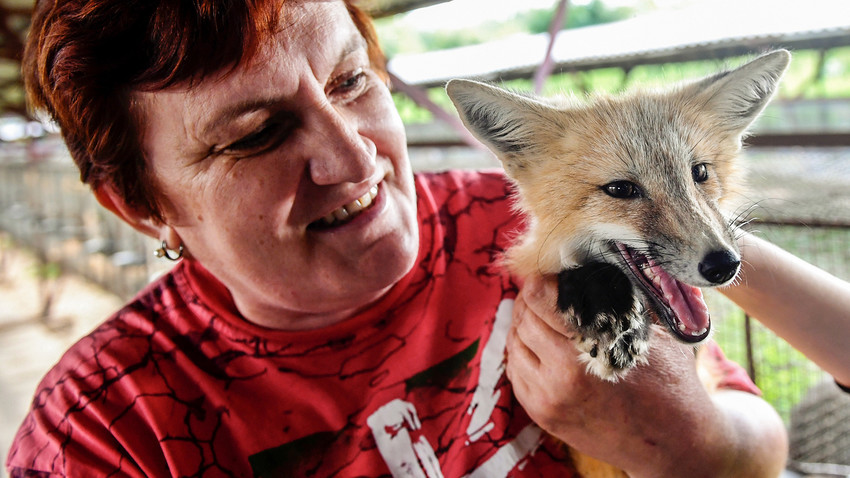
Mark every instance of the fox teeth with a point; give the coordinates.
(695, 333)
(352, 209)
(649, 272)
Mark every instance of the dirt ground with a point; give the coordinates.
(29, 346)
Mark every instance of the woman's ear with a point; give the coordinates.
(109, 198)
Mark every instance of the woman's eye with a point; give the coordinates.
(353, 81)
(267, 137)
(350, 83)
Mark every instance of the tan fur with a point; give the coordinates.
(562, 153)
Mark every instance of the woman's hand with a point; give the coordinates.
(658, 421)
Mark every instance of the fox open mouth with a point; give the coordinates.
(680, 305)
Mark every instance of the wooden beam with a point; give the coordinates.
(546, 66)
(715, 51)
(798, 139)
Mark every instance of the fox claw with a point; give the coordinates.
(612, 360)
(599, 301)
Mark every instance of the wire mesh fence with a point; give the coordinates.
(816, 411)
(45, 208)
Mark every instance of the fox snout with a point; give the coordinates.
(719, 267)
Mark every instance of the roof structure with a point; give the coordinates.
(15, 18)
(719, 29)
(713, 30)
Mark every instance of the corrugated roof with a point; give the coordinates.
(717, 29)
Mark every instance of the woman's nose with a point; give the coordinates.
(339, 152)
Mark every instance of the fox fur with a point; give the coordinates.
(624, 193)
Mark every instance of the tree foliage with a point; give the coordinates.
(593, 13)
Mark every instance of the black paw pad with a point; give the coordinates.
(613, 333)
(595, 290)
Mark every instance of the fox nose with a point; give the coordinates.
(719, 267)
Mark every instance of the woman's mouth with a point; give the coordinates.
(349, 211)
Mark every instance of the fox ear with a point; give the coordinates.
(505, 122)
(738, 96)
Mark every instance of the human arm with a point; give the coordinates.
(801, 303)
(658, 421)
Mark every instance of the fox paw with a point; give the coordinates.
(599, 301)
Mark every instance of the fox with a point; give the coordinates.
(629, 199)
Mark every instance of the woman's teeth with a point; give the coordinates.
(352, 209)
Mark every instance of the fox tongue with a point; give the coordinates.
(686, 301)
(680, 305)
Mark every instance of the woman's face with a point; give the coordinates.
(288, 178)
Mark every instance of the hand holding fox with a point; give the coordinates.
(658, 421)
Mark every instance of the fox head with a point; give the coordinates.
(640, 180)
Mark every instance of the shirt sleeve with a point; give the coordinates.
(56, 440)
(82, 420)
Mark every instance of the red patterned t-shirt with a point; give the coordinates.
(177, 383)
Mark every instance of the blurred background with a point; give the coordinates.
(66, 264)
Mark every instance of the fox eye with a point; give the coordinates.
(622, 190)
(700, 173)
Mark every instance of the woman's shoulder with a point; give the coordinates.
(122, 341)
(95, 383)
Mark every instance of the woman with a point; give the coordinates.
(332, 314)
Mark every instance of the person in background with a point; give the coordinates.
(331, 313)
